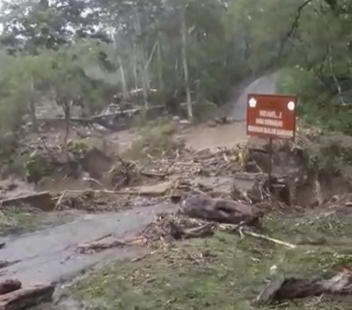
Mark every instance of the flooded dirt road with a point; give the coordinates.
(51, 254)
(203, 136)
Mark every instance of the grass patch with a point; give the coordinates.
(222, 272)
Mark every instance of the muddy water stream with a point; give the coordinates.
(51, 254)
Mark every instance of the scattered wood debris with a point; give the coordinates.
(167, 228)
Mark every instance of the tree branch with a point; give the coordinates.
(293, 27)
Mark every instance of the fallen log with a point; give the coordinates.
(98, 246)
(5, 263)
(199, 232)
(9, 286)
(291, 288)
(221, 211)
(25, 298)
(40, 200)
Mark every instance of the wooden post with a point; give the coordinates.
(270, 162)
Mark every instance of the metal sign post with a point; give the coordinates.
(271, 117)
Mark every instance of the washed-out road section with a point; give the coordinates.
(51, 255)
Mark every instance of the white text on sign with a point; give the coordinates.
(273, 120)
(271, 131)
(270, 114)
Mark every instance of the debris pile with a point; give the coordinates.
(99, 201)
(340, 201)
(209, 162)
(167, 228)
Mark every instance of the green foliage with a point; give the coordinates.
(78, 149)
(37, 167)
(57, 51)
(316, 104)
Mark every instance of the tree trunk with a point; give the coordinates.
(140, 53)
(67, 113)
(185, 66)
(32, 108)
(123, 80)
(160, 73)
(33, 116)
(135, 64)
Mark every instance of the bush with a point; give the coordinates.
(317, 105)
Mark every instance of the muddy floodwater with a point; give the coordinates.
(51, 254)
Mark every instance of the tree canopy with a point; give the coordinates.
(90, 52)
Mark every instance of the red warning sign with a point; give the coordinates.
(271, 116)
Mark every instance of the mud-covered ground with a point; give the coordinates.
(147, 171)
(228, 271)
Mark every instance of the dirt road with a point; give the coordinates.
(203, 136)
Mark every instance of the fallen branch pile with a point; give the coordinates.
(207, 162)
(167, 228)
(200, 217)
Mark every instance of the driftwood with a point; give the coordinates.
(5, 263)
(27, 297)
(40, 200)
(276, 241)
(291, 288)
(9, 286)
(221, 211)
(179, 233)
(100, 245)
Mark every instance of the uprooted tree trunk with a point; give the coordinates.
(42, 200)
(291, 288)
(221, 211)
(9, 286)
(25, 298)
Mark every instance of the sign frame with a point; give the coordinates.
(268, 101)
(266, 126)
